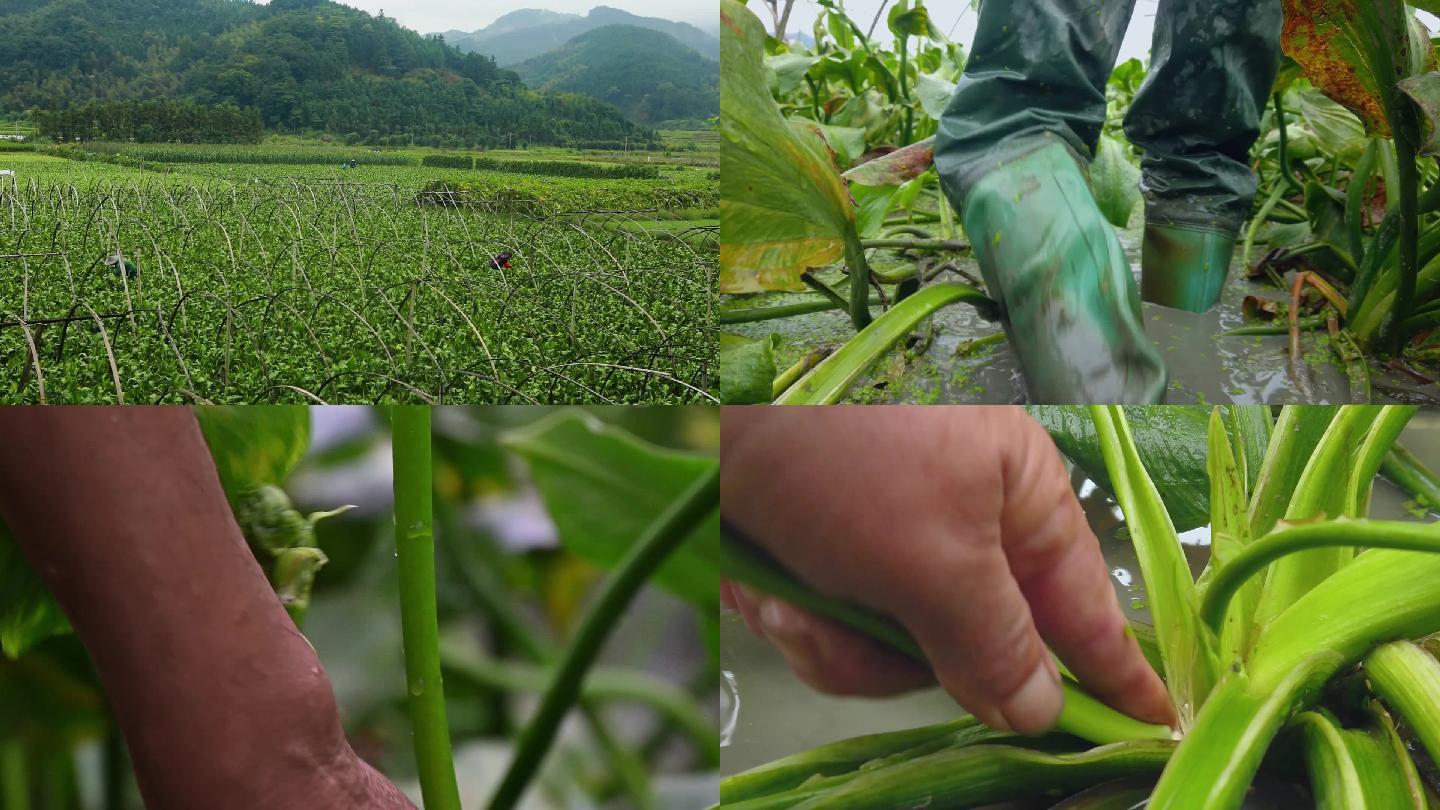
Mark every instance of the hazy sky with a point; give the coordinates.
(426, 16)
(957, 19)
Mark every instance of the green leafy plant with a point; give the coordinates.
(1289, 633)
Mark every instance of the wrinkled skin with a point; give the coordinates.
(1036, 78)
(222, 702)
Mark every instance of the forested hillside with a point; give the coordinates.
(305, 65)
(648, 74)
(529, 32)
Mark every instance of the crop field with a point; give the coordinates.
(271, 273)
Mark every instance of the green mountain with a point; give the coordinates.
(529, 32)
(306, 65)
(648, 74)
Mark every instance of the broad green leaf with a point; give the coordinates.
(873, 202)
(747, 371)
(28, 614)
(847, 142)
(254, 445)
(783, 206)
(905, 163)
(602, 487)
(1424, 90)
(934, 93)
(789, 70)
(1229, 532)
(1171, 441)
(1321, 491)
(1114, 182)
(1297, 433)
(905, 20)
(1184, 641)
(1337, 131)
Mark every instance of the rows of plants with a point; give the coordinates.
(225, 153)
(1303, 657)
(550, 168)
(298, 289)
(829, 191)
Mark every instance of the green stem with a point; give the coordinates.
(1291, 539)
(1408, 678)
(602, 685)
(754, 314)
(788, 377)
(828, 382)
(1256, 222)
(1284, 144)
(1406, 471)
(916, 244)
(651, 549)
(909, 131)
(420, 634)
(1409, 231)
(859, 280)
(496, 602)
(14, 776)
(1307, 324)
(742, 561)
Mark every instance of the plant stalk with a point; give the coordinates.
(415, 556)
(651, 549)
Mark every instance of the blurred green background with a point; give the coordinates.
(500, 564)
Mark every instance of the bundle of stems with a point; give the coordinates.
(1307, 626)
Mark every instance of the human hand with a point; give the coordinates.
(959, 523)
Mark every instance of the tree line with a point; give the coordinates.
(154, 121)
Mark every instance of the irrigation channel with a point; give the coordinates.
(310, 290)
(965, 358)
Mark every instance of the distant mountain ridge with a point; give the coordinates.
(527, 33)
(648, 74)
(305, 65)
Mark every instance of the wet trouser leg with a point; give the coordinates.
(1195, 119)
(1010, 152)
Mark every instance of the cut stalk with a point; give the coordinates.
(984, 774)
(653, 547)
(1408, 678)
(1410, 474)
(828, 382)
(1381, 595)
(835, 758)
(415, 557)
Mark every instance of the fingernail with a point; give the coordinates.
(1035, 706)
(777, 618)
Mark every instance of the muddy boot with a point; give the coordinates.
(1072, 312)
(1195, 119)
(1184, 268)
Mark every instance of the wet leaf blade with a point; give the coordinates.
(783, 206)
(603, 487)
(1174, 604)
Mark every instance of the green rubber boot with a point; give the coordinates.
(1184, 268)
(1072, 312)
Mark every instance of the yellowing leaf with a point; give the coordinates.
(783, 206)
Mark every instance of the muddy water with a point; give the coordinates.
(777, 715)
(1203, 367)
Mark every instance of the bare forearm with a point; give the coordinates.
(222, 701)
